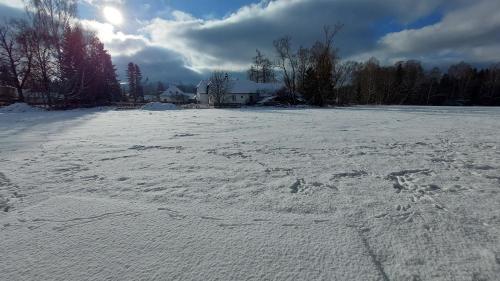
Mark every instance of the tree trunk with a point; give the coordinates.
(20, 94)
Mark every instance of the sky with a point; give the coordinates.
(184, 40)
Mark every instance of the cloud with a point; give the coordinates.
(470, 33)
(230, 42)
(17, 4)
(117, 42)
(99, 3)
(10, 12)
(158, 64)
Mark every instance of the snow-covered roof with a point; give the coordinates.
(243, 87)
(203, 83)
(171, 91)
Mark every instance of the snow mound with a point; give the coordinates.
(158, 106)
(20, 107)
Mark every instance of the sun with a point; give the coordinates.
(113, 15)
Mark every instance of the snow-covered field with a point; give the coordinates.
(368, 193)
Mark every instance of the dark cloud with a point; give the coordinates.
(158, 64)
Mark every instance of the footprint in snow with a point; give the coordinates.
(233, 225)
(261, 220)
(353, 174)
(210, 218)
(183, 135)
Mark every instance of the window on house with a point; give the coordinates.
(234, 98)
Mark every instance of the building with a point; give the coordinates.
(8, 95)
(175, 95)
(242, 92)
(172, 95)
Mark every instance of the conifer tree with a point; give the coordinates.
(132, 81)
(138, 83)
(73, 66)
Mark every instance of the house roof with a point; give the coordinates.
(171, 91)
(203, 83)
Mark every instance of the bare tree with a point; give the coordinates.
(52, 17)
(324, 60)
(49, 19)
(412, 80)
(16, 53)
(218, 87)
(43, 64)
(262, 69)
(433, 78)
(493, 80)
(344, 75)
(303, 64)
(288, 63)
(462, 74)
(330, 51)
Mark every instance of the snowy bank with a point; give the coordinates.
(19, 107)
(158, 106)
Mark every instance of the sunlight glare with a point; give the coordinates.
(113, 15)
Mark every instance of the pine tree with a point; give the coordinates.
(132, 81)
(138, 83)
(160, 87)
(159, 90)
(97, 92)
(111, 81)
(73, 66)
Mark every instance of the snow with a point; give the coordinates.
(363, 193)
(158, 106)
(19, 107)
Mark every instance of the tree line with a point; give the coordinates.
(407, 83)
(55, 58)
(317, 76)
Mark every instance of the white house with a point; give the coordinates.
(175, 95)
(172, 95)
(242, 92)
